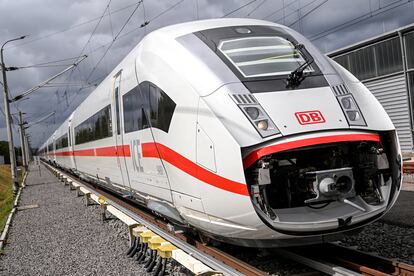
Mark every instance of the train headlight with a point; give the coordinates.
(256, 114)
(351, 110)
(263, 125)
(253, 112)
(353, 115)
(346, 102)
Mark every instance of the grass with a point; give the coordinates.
(6, 194)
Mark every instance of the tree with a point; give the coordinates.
(4, 150)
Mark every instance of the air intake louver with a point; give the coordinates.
(244, 98)
(340, 89)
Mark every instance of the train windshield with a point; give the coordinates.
(263, 56)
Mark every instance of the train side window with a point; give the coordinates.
(132, 104)
(144, 92)
(135, 103)
(96, 127)
(161, 108)
(62, 142)
(147, 105)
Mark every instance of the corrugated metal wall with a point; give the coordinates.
(392, 94)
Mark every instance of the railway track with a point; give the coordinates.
(408, 166)
(335, 259)
(331, 259)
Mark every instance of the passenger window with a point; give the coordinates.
(161, 108)
(96, 127)
(143, 100)
(135, 104)
(62, 142)
(132, 110)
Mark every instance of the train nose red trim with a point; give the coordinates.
(252, 157)
(157, 150)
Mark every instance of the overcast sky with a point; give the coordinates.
(61, 29)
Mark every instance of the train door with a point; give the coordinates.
(121, 151)
(71, 145)
(54, 148)
(146, 171)
(47, 151)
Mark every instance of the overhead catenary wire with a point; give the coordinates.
(110, 20)
(113, 41)
(42, 119)
(145, 18)
(97, 80)
(359, 19)
(239, 8)
(125, 34)
(294, 12)
(33, 89)
(118, 36)
(256, 8)
(94, 30)
(107, 8)
(43, 66)
(166, 10)
(308, 12)
(278, 10)
(70, 28)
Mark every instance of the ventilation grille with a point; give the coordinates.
(340, 89)
(244, 98)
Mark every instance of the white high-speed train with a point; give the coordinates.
(240, 129)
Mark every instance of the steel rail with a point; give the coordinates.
(335, 259)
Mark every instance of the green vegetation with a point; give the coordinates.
(6, 194)
(4, 150)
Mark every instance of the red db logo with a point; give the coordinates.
(310, 117)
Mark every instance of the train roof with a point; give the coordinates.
(181, 29)
(165, 34)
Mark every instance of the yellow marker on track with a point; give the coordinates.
(102, 200)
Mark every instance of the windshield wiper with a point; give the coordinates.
(296, 76)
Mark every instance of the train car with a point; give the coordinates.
(61, 143)
(242, 130)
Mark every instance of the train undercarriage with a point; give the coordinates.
(324, 187)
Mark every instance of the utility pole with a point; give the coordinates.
(27, 148)
(23, 141)
(8, 120)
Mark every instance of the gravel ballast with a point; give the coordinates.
(63, 236)
(393, 235)
(385, 240)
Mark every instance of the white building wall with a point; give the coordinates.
(392, 94)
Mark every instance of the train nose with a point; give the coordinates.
(305, 110)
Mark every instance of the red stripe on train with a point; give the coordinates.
(157, 150)
(112, 151)
(259, 153)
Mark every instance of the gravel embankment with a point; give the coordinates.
(63, 236)
(393, 235)
(386, 240)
